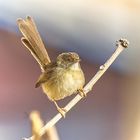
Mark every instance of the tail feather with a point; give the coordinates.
(32, 40)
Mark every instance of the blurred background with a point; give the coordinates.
(90, 28)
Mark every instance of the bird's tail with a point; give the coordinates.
(33, 42)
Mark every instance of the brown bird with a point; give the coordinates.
(59, 79)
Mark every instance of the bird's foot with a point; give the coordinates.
(82, 93)
(62, 111)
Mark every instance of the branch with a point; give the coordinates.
(121, 44)
(37, 124)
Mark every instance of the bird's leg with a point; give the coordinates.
(82, 93)
(62, 111)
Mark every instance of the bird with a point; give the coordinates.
(58, 79)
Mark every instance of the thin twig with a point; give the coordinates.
(121, 44)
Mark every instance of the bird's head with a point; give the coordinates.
(68, 59)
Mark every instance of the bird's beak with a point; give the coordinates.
(77, 59)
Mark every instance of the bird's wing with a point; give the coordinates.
(48, 75)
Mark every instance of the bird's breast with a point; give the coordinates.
(64, 83)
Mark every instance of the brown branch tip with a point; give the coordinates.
(123, 42)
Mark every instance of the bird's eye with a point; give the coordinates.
(68, 58)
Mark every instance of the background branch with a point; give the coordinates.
(37, 124)
(121, 44)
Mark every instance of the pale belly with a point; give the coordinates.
(64, 85)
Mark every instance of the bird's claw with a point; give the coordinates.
(82, 93)
(62, 111)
